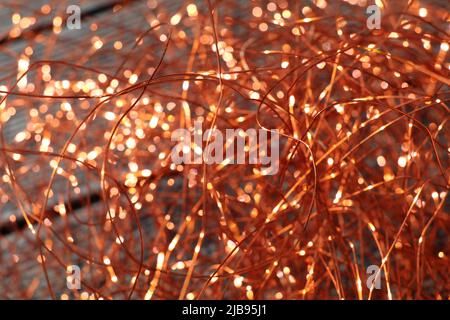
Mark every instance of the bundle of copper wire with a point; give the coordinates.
(87, 179)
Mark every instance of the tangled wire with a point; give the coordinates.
(87, 178)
